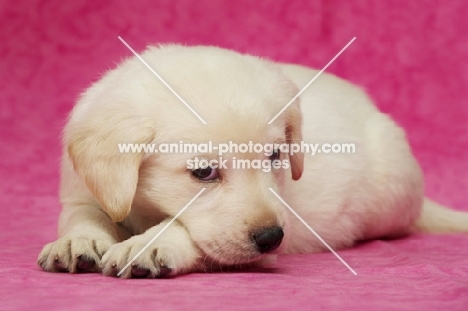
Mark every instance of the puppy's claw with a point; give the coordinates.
(113, 270)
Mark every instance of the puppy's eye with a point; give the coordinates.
(205, 173)
(275, 155)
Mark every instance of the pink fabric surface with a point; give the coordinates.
(411, 56)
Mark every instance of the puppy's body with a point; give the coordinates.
(114, 203)
(375, 192)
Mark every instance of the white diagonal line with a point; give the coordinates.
(313, 231)
(162, 80)
(159, 233)
(313, 79)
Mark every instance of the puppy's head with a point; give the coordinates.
(236, 219)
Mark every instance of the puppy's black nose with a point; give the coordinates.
(268, 239)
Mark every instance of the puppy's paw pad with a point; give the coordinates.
(139, 272)
(164, 272)
(59, 264)
(85, 264)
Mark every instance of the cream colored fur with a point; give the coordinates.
(114, 203)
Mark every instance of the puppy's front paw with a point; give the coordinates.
(170, 254)
(73, 254)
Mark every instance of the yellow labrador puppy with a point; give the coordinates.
(114, 202)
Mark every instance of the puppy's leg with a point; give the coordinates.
(172, 253)
(86, 233)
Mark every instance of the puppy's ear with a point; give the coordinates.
(93, 146)
(294, 136)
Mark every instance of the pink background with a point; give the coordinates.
(411, 56)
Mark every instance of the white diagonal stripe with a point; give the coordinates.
(313, 79)
(162, 80)
(159, 233)
(313, 231)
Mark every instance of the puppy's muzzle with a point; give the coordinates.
(268, 239)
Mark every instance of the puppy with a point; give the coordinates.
(114, 203)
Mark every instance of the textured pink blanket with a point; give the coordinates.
(411, 56)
